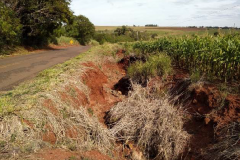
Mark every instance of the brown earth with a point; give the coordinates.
(61, 154)
(101, 84)
(49, 136)
(206, 111)
(50, 105)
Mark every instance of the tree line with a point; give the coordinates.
(35, 22)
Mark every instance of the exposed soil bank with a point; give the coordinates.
(207, 110)
(100, 80)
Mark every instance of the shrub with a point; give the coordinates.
(156, 65)
(94, 43)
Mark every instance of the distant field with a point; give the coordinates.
(169, 31)
(101, 28)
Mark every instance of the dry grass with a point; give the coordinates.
(91, 133)
(228, 146)
(152, 123)
(26, 103)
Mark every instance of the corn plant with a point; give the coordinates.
(213, 56)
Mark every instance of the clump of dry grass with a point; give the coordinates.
(153, 124)
(228, 146)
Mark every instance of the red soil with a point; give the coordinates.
(61, 154)
(77, 99)
(72, 132)
(50, 105)
(95, 79)
(206, 112)
(49, 136)
(229, 113)
(27, 122)
(101, 84)
(100, 81)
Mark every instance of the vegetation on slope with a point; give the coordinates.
(155, 65)
(216, 57)
(35, 111)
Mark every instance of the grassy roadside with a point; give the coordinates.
(48, 80)
(35, 111)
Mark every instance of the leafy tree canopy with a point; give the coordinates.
(40, 18)
(81, 29)
(10, 27)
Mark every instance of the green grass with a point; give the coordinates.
(156, 65)
(65, 41)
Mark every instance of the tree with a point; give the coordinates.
(123, 31)
(81, 29)
(10, 27)
(40, 18)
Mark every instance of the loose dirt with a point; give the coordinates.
(61, 154)
(207, 110)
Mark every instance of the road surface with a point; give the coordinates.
(14, 70)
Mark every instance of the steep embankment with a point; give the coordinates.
(60, 114)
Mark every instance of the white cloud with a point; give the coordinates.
(161, 12)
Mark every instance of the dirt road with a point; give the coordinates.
(15, 70)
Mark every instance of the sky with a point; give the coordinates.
(161, 12)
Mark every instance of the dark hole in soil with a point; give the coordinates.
(126, 61)
(124, 85)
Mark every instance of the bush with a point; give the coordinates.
(156, 65)
(10, 27)
(94, 43)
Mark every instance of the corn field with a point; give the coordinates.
(212, 56)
